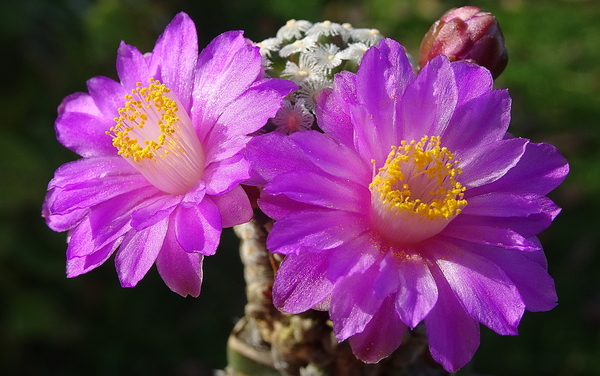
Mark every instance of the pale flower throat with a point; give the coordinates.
(158, 139)
(415, 194)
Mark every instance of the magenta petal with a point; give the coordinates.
(316, 229)
(108, 219)
(91, 168)
(153, 210)
(301, 282)
(384, 74)
(500, 204)
(279, 206)
(353, 304)
(80, 265)
(181, 270)
(321, 190)
(539, 171)
(333, 158)
(222, 176)
(92, 192)
(483, 289)
(388, 280)
(63, 221)
(474, 81)
(480, 121)
(198, 228)
(382, 335)
(109, 96)
(429, 101)
(535, 285)
(82, 241)
(382, 78)
(273, 154)
(175, 55)
(251, 110)
(354, 256)
(131, 66)
(226, 68)
(491, 162)
(333, 113)
(138, 252)
(417, 294)
(452, 334)
(234, 207)
(79, 102)
(85, 134)
(471, 228)
(90, 181)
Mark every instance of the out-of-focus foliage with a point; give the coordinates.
(50, 325)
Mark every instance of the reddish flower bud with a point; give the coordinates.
(466, 33)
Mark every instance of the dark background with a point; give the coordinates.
(51, 325)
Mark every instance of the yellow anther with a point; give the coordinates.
(417, 185)
(149, 129)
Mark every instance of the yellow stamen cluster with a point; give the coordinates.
(158, 139)
(145, 104)
(420, 177)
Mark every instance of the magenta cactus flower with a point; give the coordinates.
(414, 206)
(162, 156)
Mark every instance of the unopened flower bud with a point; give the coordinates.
(466, 33)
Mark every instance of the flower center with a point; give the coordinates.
(415, 194)
(158, 139)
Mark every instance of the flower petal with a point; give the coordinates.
(417, 292)
(474, 81)
(501, 204)
(355, 256)
(198, 228)
(452, 334)
(353, 304)
(181, 270)
(321, 190)
(91, 181)
(333, 158)
(81, 265)
(131, 66)
(382, 79)
(153, 210)
(138, 251)
(301, 282)
(110, 218)
(333, 114)
(315, 229)
(234, 207)
(175, 55)
(245, 115)
(222, 176)
(491, 162)
(279, 206)
(535, 285)
(82, 129)
(382, 335)
(429, 101)
(483, 289)
(480, 121)
(229, 61)
(473, 229)
(109, 96)
(87, 182)
(273, 154)
(540, 169)
(64, 221)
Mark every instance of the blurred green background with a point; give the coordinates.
(50, 325)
